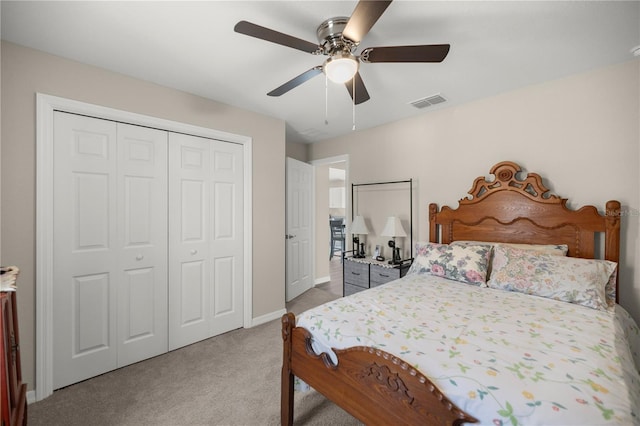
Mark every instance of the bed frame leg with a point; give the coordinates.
(286, 402)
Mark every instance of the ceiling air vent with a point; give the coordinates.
(314, 134)
(428, 101)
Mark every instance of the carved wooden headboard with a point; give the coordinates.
(508, 209)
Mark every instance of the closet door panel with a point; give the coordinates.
(91, 199)
(189, 254)
(139, 317)
(223, 296)
(90, 324)
(192, 298)
(193, 211)
(142, 243)
(227, 240)
(85, 248)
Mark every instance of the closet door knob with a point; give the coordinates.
(139, 257)
(194, 251)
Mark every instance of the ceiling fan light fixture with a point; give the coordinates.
(341, 67)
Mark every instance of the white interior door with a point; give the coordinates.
(298, 224)
(142, 243)
(190, 269)
(206, 238)
(85, 248)
(227, 237)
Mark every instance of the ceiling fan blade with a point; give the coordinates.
(361, 91)
(364, 16)
(423, 53)
(295, 82)
(253, 30)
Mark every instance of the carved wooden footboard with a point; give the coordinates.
(371, 385)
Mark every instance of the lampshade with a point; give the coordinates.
(393, 228)
(358, 226)
(341, 67)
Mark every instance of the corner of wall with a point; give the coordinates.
(298, 151)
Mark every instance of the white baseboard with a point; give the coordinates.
(322, 280)
(268, 317)
(31, 397)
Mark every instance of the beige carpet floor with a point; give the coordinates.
(231, 379)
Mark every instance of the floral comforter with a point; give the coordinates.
(503, 357)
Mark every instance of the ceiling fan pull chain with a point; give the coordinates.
(326, 99)
(353, 103)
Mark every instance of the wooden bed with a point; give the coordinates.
(377, 387)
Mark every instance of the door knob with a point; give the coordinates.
(288, 237)
(194, 251)
(139, 257)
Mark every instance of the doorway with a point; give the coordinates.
(331, 202)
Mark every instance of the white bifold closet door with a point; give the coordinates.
(110, 246)
(206, 238)
(121, 293)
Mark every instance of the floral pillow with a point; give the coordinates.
(610, 290)
(555, 249)
(467, 264)
(568, 279)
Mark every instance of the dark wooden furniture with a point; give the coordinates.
(379, 388)
(13, 393)
(361, 274)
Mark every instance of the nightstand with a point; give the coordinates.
(361, 274)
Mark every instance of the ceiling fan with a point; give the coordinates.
(338, 39)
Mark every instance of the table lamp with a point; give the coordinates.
(358, 227)
(393, 228)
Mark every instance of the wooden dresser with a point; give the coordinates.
(13, 393)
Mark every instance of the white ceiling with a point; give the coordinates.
(191, 46)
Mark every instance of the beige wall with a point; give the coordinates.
(375, 203)
(580, 133)
(297, 151)
(26, 71)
